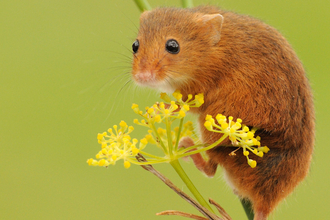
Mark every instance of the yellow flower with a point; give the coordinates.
(240, 135)
(177, 95)
(165, 97)
(196, 102)
(252, 163)
(127, 164)
(117, 144)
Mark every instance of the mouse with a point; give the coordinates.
(245, 69)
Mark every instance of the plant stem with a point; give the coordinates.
(169, 136)
(178, 135)
(187, 3)
(143, 5)
(178, 168)
(247, 205)
(159, 138)
(203, 149)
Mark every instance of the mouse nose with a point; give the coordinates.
(144, 77)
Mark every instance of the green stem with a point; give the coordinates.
(143, 5)
(153, 127)
(187, 3)
(205, 148)
(178, 168)
(151, 156)
(178, 135)
(169, 136)
(247, 205)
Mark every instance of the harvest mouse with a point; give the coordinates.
(245, 69)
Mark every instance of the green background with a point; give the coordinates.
(63, 70)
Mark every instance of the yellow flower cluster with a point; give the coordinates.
(166, 139)
(175, 110)
(240, 135)
(118, 145)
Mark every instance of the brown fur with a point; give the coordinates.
(251, 73)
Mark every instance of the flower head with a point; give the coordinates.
(196, 102)
(117, 144)
(240, 135)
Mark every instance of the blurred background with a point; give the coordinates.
(64, 77)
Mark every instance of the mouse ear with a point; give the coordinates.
(213, 25)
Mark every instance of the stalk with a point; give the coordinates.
(178, 135)
(205, 148)
(248, 209)
(143, 5)
(178, 168)
(187, 3)
(169, 136)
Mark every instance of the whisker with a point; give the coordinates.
(161, 60)
(127, 17)
(112, 52)
(111, 81)
(116, 97)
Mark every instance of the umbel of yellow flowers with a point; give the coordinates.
(117, 143)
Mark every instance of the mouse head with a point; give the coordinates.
(172, 47)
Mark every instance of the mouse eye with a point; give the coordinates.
(172, 46)
(135, 46)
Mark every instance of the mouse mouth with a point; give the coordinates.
(148, 79)
(145, 78)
